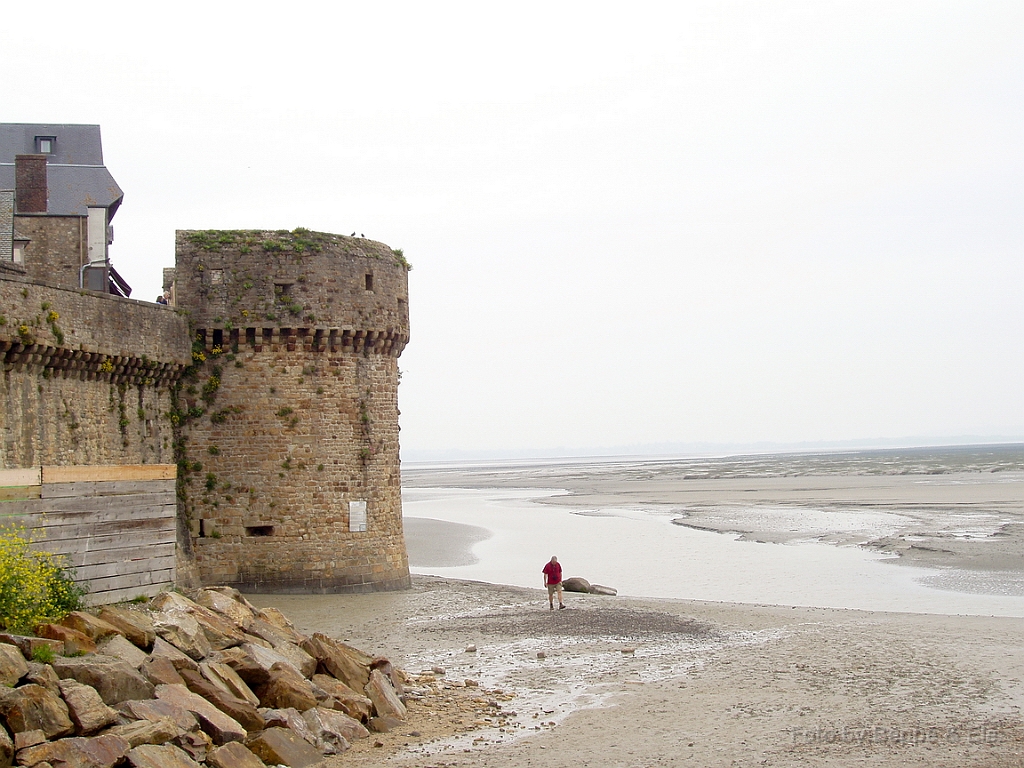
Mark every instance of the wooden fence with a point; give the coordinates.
(115, 524)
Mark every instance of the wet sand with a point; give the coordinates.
(620, 681)
(635, 682)
(957, 519)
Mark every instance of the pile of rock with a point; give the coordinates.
(180, 682)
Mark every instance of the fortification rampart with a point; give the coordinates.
(86, 446)
(289, 456)
(85, 376)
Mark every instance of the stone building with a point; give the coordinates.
(290, 421)
(65, 200)
(248, 435)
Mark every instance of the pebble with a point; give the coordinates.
(541, 655)
(470, 649)
(437, 670)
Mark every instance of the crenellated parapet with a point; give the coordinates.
(370, 341)
(260, 280)
(87, 376)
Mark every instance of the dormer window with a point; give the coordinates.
(45, 144)
(18, 255)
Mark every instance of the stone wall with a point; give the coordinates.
(86, 376)
(289, 421)
(57, 247)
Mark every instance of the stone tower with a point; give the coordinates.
(287, 441)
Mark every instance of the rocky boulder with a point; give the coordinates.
(576, 584)
(339, 660)
(281, 746)
(162, 756)
(103, 751)
(384, 697)
(86, 707)
(96, 629)
(114, 679)
(75, 642)
(221, 727)
(233, 755)
(137, 626)
(13, 665)
(33, 708)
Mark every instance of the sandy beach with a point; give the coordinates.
(638, 681)
(631, 682)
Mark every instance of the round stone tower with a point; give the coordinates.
(288, 421)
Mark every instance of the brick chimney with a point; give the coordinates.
(30, 181)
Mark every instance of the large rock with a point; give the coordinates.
(26, 739)
(334, 729)
(115, 680)
(43, 674)
(351, 703)
(227, 606)
(226, 678)
(389, 671)
(298, 658)
(32, 708)
(13, 665)
(576, 584)
(274, 634)
(94, 628)
(180, 629)
(148, 731)
(384, 697)
(286, 688)
(137, 626)
(275, 617)
(236, 708)
(268, 657)
(75, 642)
(221, 727)
(164, 650)
(103, 751)
(281, 746)
(245, 665)
(6, 748)
(292, 719)
(121, 648)
(197, 744)
(220, 631)
(253, 664)
(233, 755)
(160, 671)
(155, 710)
(349, 665)
(86, 708)
(160, 756)
(597, 589)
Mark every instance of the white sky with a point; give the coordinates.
(717, 222)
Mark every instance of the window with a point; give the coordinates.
(357, 515)
(19, 251)
(44, 144)
(369, 281)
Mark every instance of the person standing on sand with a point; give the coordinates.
(553, 581)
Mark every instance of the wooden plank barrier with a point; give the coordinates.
(114, 524)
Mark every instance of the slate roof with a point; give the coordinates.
(76, 177)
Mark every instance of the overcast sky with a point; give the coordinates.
(630, 224)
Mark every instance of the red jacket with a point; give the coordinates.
(553, 573)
